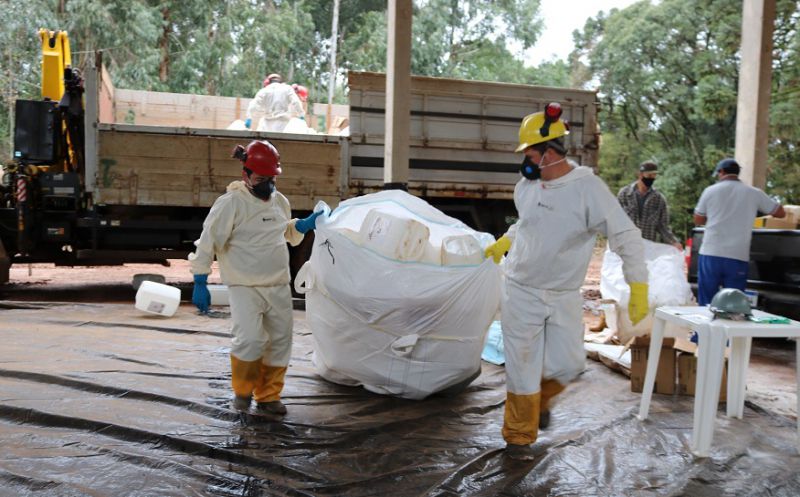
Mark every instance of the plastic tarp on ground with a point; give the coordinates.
(100, 400)
(399, 296)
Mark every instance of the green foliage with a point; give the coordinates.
(20, 49)
(784, 153)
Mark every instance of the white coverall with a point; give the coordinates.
(248, 236)
(277, 103)
(542, 307)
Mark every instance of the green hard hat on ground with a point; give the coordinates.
(730, 303)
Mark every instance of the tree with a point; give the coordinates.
(20, 71)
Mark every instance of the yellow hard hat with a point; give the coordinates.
(542, 126)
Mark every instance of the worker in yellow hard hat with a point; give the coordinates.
(562, 206)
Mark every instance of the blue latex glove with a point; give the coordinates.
(200, 296)
(248, 122)
(307, 224)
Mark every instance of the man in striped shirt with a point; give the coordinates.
(647, 207)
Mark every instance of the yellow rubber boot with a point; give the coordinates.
(244, 376)
(521, 418)
(550, 388)
(270, 383)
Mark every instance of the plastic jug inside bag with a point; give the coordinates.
(394, 237)
(461, 249)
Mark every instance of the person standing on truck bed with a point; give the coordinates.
(561, 208)
(728, 210)
(647, 207)
(276, 104)
(247, 229)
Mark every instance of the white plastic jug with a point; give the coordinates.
(397, 238)
(219, 294)
(460, 250)
(157, 298)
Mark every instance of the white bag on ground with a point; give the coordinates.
(666, 279)
(393, 325)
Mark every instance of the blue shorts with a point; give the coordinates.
(715, 272)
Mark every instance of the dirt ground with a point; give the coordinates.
(771, 377)
(44, 274)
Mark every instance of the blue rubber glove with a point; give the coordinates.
(307, 224)
(200, 296)
(248, 122)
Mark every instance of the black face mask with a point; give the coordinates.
(648, 182)
(263, 190)
(530, 170)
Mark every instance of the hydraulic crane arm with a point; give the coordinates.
(56, 57)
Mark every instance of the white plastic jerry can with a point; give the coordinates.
(157, 298)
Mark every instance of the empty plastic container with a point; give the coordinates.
(395, 237)
(460, 250)
(157, 298)
(219, 294)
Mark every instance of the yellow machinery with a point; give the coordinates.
(56, 57)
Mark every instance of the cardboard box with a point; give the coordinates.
(769, 222)
(792, 213)
(687, 376)
(665, 374)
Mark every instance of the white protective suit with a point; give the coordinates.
(542, 314)
(276, 104)
(248, 237)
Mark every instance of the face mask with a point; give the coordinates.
(263, 190)
(648, 182)
(530, 170)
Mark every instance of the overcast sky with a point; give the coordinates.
(561, 18)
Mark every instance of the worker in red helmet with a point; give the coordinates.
(302, 93)
(274, 105)
(247, 229)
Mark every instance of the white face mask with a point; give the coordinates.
(551, 164)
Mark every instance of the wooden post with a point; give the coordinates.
(398, 95)
(755, 79)
(332, 81)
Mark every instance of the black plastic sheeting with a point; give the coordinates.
(102, 400)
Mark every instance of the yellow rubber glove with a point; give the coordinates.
(637, 306)
(498, 248)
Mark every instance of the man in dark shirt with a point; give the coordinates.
(647, 207)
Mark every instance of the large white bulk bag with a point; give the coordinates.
(396, 326)
(666, 280)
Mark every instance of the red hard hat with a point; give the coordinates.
(272, 78)
(301, 91)
(261, 157)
